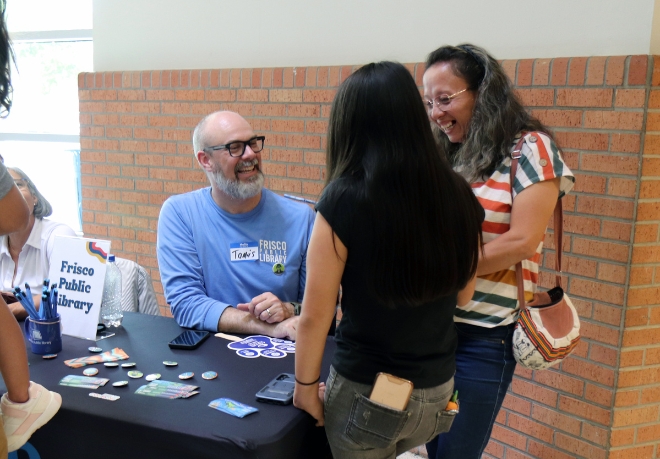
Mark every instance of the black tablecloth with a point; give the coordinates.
(138, 426)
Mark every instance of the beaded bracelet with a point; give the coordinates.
(308, 384)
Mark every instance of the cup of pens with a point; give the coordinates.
(43, 325)
(45, 336)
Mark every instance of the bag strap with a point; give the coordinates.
(558, 227)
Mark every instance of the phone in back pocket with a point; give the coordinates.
(391, 391)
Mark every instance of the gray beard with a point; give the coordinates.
(237, 189)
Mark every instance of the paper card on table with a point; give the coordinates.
(77, 266)
(227, 405)
(166, 389)
(153, 391)
(86, 382)
(108, 356)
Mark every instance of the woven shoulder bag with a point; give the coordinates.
(548, 327)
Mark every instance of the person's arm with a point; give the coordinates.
(181, 273)
(183, 282)
(234, 320)
(19, 311)
(530, 214)
(311, 217)
(268, 308)
(324, 271)
(464, 296)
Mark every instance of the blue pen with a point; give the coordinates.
(54, 302)
(45, 307)
(28, 296)
(29, 307)
(28, 292)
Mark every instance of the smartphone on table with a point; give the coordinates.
(189, 339)
(391, 391)
(279, 390)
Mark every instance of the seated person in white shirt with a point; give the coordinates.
(25, 254)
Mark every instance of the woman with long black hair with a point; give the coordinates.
(400, 230)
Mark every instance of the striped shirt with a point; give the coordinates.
(495, 298)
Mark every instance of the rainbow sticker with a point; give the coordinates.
(96, 251)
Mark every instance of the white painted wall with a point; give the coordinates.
(179, 34)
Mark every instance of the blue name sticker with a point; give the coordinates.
(244, 251)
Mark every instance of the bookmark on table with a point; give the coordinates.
(109, 356)
(232, 407)
(86, 382)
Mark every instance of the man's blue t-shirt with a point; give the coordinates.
(210, 259)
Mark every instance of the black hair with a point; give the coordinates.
(426, 220)
(6, 56)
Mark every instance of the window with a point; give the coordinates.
(52, 42)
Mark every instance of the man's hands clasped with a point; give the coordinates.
(268, 308)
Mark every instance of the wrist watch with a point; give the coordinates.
(296, 308)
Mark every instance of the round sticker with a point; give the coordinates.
(94, 349)
(111, 364)
(209, 375)
(247, 353)
(134, 374)
(120, 383)
(49, 356)
(153, 377)
(278, 269)
(281, 341)
(272, 353)
(128, 365)
(169, 363)
(186, 375)
(91, 371)
(290, 348)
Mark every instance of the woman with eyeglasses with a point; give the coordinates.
(401, 232)
(478, 121)
(25, 254)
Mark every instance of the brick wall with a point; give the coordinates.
(602, 402)
(635, 426)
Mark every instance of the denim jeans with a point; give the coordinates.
(484, 370)
(358, 428)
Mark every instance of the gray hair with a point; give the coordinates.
(42, 208)
(497, 116)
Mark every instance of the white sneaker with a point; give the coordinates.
(23, 419)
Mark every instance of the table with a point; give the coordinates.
(137, 426)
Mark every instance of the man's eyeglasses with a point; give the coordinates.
(237, 148)
(442, 100)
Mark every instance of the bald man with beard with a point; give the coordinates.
(232, 255)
